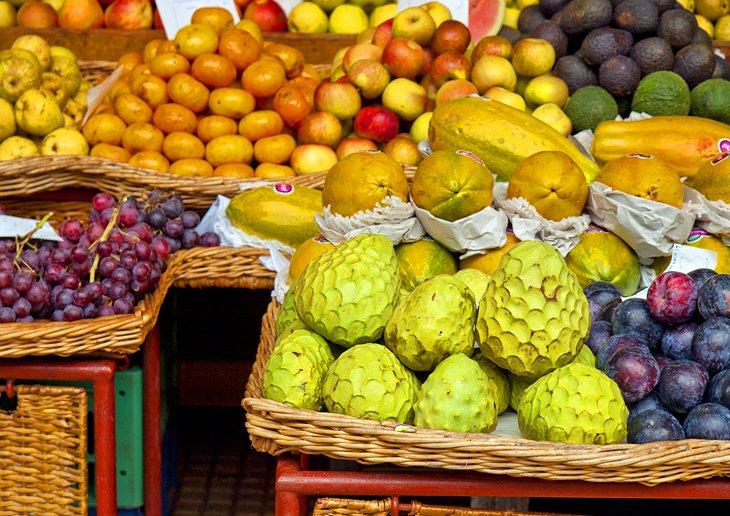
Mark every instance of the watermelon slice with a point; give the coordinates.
(485, 18)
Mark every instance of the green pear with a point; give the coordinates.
(19, 71)
(7, 120)
(38, 46)
(59, 51)
(64, 141)
(17, 147)
(69, 70)
(83, 90)
(54, 84)
(75, 110)
(37, 113)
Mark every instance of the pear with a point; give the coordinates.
(64, 141)
(75, 111)
(83, 90)
(17, 147)
(37, 113)
(54, 84)
(69, 70)
(59, 51)
(7, 120)
(38, 46)
(19, 71)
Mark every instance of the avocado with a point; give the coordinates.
(652, 54)
(550, 7)
(603, 43)
(512, 35)
(702, 38)
(722, 69)
(575, 73)
(624, 105)
(589, 106)
(619, 75)
(662, 93)
(677, 26)
(551, 31)
(583, 15)
(694, 63)
(636, 16)
(711, 99)
(529, 17)
(665, 5)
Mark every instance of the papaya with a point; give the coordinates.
(500, 135)
(282, 212)
(686, 142)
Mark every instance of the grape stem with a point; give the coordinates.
(20, 244)
(104, 236)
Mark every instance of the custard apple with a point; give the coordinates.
(476, 280)
(499, 379)
(517, 387)
(435, 320)
(287, 311)
(574, 404)
(296, 370)
(458, 397)
(586, 356)
(348, 293)
(367, 381)
(534, 316)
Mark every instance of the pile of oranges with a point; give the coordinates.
(215, 101)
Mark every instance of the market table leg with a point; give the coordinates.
(152, 424)
(289, 503)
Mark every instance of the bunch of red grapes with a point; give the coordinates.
(104, 267)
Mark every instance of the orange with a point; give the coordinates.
(191, 167)
(213, 70)
(129, 60)
(274, 149)
(263, 78)
(212, 126)
(647, 177)
(291, 58)
(240, 47)
(307, 86)
(218, 18)
(488, 262)
(174, 117)
(104, 128)
(234, 170)
(231, 102)
(150, 160)
(166, 46)
(195, 39)
(141, 136)
(291, 104)
(422, 259)
(186, 90)
(272, 170)
(140, 69)
(105, 107)
(151, 89)
(168, 64)
(150, 49)
(261, 124)
(181, 145)
(112, 152)
(131, 109)
(310, 71)
(305, 253)
(228, 149)
(119, 87)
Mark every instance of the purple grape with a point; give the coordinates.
(672, 298)
(141, 271)
(122, 306)
(62, 256)
(173, 207)
(157, 218)
(82, 297)
(635, 372)
(73, 313)
(22, 282)
(154, 276)
(143, 231)
(54, 273)
(161, 246)
(711, 344)
(31, 258)
(121, 275)
(103, 201)
(138, 286)
(71, 280)
(104, 310)
(708, 421)
(189, 239)
(64, 298)
(190, 219)
(116, 236)
(82, 269)
(26, 319)
(682, 385)
(104, 249)
(44, 254)
(210, 239)
(94, 231)
(128, 215)
(22, 308)
(7, 265)
(633, 317)
(175, 244)
(617, 343)
(117, 290)
(141, 215)
(6, 278)
(714, 297)
(9, 295)
(90, 311)
(36, 294)
(142, 250)
(7, 314)
(79, 254)
(128, 260)
(57, 315)
(174, 228)
(95, 290)
(654, 425)
(107, 266)
(71, 230)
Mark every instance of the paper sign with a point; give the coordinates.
(459, 8)
(686, 258)
(288, 5)
(11, 227)
(97, 94)
(176, 14)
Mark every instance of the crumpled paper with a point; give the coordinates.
(391, 217)
(279, 263)
(712, 216)
(650, 228)
(11, 227)
(528, 224)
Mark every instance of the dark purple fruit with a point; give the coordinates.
(609, 309)
(714, 298)
(617, 343)
(682, 385)
(708, 421)
(711, 344)
(676, 341)
(635, 372)
(654, 425)
(649, 402)
(672, 298)
(663, 361)
(633, 316)
(598, 294)
(598, 334)
(719, 389)
(701, 275)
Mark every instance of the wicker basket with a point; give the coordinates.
(276, 428)
(222, 267)
(343, 506)
(43, 452)
(94, 71)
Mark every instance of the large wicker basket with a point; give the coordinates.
(276, 428)
(43, 452)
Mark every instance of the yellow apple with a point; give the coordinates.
(405, 98)
(307, 18)
(419, 128)
(438, 11)
(64, 141)
(312, 158)
(348, 19)
(382, 13)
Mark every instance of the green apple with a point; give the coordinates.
(348, 19)
(64, 141)
(7, 120)
(307, 18)
(37, 113)
(59, 51)
(17, 147)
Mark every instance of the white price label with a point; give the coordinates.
(176, 14)
(98, 93)
(686, 258)
(11, 227)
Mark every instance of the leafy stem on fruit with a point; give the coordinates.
(104, 236)
(20, 244)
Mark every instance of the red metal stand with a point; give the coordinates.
(152, 424)
(101, 373)
(294, 482)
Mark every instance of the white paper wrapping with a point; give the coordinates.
(279, 263)
(650, 228)
(11, 227)
(528, 224)
(712, 216)
(391, 217)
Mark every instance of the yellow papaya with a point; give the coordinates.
(282, 212)
(684, 141)
(500, 135)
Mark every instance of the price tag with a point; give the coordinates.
(11, 227)
(686, 258)
(97, 94)
(176, 14)
(459, 8)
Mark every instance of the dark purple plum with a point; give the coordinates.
(616, 343)
(719, 389)
(606, 313)
(676, 341)
(649, 402)
(682, 385)
(598, 294)
(634, 317)
(672, 298)
(701, 275)
(662, 361)
(708, 421)
(599, 333)
(654, 425)
(635, 372)
(714, 298)
(711, 344)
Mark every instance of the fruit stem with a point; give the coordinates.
(20, 244)
(104, 236)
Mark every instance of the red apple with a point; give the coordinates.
(450, 36)
(361, 51)
(267, 14)
(427, 83)
(377, 123)
(339, 98)
(128, 15)
(455, 90)
(403, 58)
(157, 20)
(492, 46)
(354, 144)
(321, 127)
(37, 15)
(383, 33)
(403, 149)
(428, 57)
(370, 77)
(449, 66)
